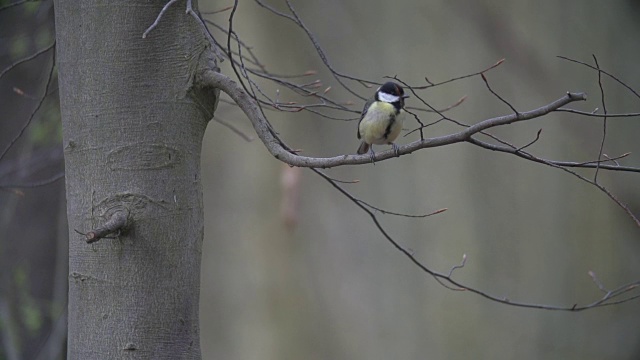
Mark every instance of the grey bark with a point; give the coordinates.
(133, 122)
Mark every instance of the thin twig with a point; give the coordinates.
(447, 281)
(530, 157)
(386, 212)
(338, 76)
(217, 11)
(432, 84)
(35, 110)
(35, 184)
(13, 4)
(603, 72)
(486, 82)
(233, 128)
(604, 120)
(454, 105)
(597, 282)
(531, 142)
(155, 23)
(30, 57)
(206, 31)
(586, 113)
(459, 266)
(356, 181)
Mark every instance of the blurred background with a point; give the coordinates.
(294, 270)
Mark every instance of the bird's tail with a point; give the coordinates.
(364, 148)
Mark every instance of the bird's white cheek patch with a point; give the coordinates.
(388, 97)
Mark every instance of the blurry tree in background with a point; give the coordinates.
(33, 224)
(317, 280)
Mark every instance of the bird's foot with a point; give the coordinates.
(396, 149)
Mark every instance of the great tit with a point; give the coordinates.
(381, 119)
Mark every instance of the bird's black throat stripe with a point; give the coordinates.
(387, 131)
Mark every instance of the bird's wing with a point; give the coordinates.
(364, 112)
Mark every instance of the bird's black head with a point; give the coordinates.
(392, 93)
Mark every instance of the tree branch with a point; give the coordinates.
(611, 297)
(261, 126)
(115, 225)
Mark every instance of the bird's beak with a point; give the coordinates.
(405, 96)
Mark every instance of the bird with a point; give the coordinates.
(381, 119)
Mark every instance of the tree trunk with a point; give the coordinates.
(132, 127)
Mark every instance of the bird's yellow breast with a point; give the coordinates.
(381, 124)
